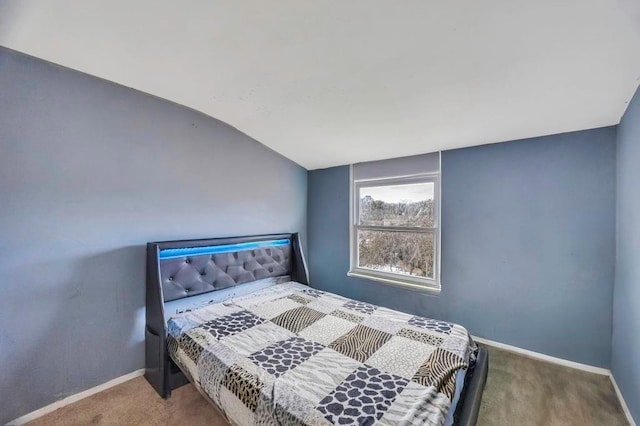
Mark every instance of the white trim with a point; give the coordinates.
(625, 408)
(439, 216)
(431, 285)
(543, 357)
(74, 398)
(395, 282)
(351, 219)
(381, 181)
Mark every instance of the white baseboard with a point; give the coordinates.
(625, 408)
(543, 357)
(74, 398)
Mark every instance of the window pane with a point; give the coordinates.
(407, 253)
(397, 205)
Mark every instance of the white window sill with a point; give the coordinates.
(397, 282)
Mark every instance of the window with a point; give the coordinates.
(395, 234)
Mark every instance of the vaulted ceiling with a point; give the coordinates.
(331, 82)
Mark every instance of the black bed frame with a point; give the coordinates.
(164, 375)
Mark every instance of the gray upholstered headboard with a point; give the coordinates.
(179, 269)
(195, 270)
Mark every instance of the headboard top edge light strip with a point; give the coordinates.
(185, 268)
(171, 253)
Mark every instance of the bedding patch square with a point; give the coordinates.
(244, 385)
(273, 308)
(361, 342)
(283, 356)
(362, 307)
(258, 337)
(326, 305)
(327, 329)
(362, 398)
(392, 315)
(236, 411)
(439, 371)
(374, 321)
(291, 409)
(190, 347)
(232, 324)
(298, 318)
(401, 356)
(315, 378)
(300, 299)
(420, 336)
(417, 405)
(313, 292)
(431, 324)
(349, 316)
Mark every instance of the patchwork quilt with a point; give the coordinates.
(294, 355)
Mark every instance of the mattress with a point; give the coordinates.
(291, 354)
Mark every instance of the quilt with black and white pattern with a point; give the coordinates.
(294, 355)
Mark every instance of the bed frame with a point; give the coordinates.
(177, 270)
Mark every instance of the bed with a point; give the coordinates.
(237, 318)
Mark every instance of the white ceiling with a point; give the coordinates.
(331, 82)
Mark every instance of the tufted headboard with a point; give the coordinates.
(191, 271)
(180, 269)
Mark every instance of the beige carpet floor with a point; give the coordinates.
(519, 391)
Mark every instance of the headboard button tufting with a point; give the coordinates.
(201, 273)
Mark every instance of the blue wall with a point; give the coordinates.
(89, 172)
(528, 243)
(626, 307)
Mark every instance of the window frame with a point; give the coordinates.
(407, 281)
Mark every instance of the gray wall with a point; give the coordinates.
(89, 172)
(528, 244)
(626, 306)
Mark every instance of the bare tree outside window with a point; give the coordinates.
(395, 227)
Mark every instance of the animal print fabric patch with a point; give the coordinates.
(362, 398)
(439, 371)
(273, 308)
(298, 318)
(362, 307)
(401, 356)
(417, 406)
(360, 343)
(315, 378)
(231, 324)
(244, 385)
(391, 327)
(348, 316)
(418, 336)
(326, 305)
(431, 324)
(281, 357)
(327, 329)
(313, 292)
(300, 299)
(256, 338)
(174, 348)
(190, 347)
(289, 408)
